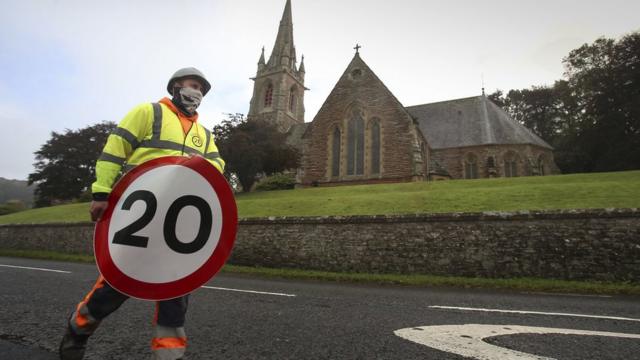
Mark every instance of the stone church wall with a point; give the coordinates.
(453, 159)
(278, 112)
(580, 245)
(399, 134)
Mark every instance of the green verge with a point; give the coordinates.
(513, 284)
(47, 255)
(574, 191)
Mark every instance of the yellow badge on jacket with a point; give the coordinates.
(196, 140)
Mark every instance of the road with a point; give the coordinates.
(285, 319)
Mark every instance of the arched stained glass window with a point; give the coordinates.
(268, 96)
(335, 153)
(375, 146)
(355, 144)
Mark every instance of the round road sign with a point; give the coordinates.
(169, 227)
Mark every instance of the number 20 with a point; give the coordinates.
(126, 236)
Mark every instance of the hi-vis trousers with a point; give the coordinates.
(169, 340)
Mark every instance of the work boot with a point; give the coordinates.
(72, 346)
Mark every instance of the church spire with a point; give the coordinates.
(278, 90)
(284, 52)
(301, 69)
(261, 64)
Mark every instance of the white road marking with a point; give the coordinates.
(248, 291)
(467, 340)
(35, 268)
(205, 287)
(534, 313)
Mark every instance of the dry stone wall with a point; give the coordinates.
(588, 244)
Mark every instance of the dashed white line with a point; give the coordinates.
(205, 287)
(248, 291)
(35, 268)
(534, 313)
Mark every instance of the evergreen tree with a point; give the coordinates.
(253, 148)
(65, 165)
(592, 118)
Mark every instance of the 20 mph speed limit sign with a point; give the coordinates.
(169, 227)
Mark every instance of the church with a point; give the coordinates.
(362, 133)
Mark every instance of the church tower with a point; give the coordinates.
(278, 89)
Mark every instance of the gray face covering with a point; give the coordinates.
(187, 99)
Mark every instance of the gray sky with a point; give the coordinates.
(69, 64)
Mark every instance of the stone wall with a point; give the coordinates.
(71, 238)
(593, 244)
(453, 159)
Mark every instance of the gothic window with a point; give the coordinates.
(292, 100)
(375, 146)
(471, 167)
(510, 165)
(268, 96)
(355, 145)
(335, 153)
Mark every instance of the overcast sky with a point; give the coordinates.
(68, 64)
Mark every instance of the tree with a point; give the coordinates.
(536, 108)
(592, 118)
(605, 79)
(65, 165)
(252, 148)
(498, 98)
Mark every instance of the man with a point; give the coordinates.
(149, 131)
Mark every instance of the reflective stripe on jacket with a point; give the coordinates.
(147, 132)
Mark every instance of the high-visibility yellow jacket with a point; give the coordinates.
(150, 131)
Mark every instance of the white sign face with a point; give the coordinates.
(165, 226)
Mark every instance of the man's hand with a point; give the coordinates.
(97, 208)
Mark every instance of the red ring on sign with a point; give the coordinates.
(163, 291)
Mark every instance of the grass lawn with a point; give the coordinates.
(578, 191)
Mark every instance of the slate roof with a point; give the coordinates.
(469, 122)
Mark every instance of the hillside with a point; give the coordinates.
(578, 191)
(16, 190)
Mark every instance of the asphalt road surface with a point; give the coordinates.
(240, 317)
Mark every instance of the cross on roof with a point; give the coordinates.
(357, 48)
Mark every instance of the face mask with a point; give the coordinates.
(187, 99)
